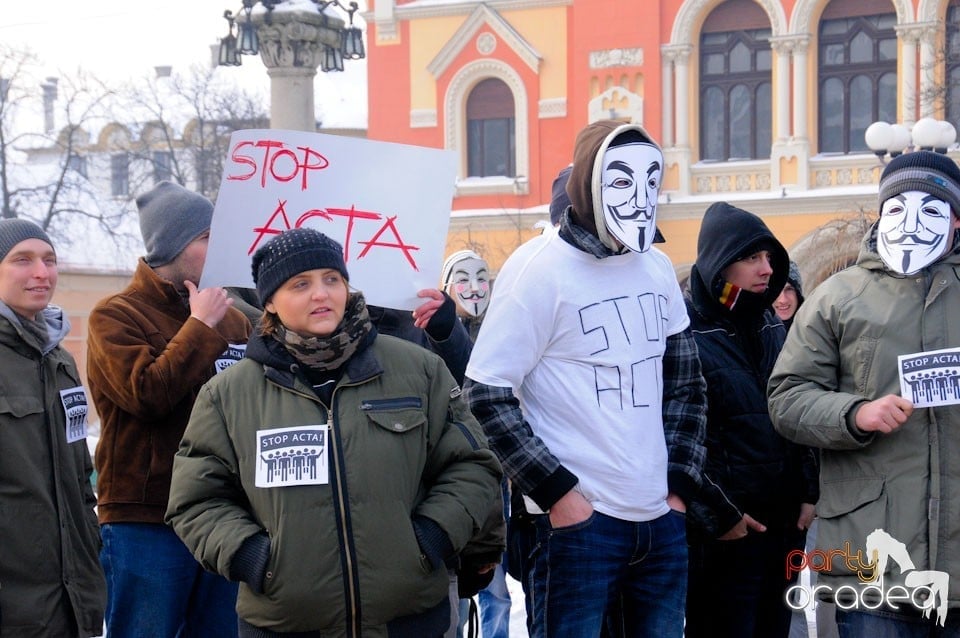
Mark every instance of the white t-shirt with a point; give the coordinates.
(580, 341)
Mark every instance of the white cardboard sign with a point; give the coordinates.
(387, 204)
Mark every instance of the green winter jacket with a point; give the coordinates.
(344, 558)
(841, 352)
(49, 537)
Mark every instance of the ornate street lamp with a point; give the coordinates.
(229, 56)
(342, 40)
(926, 134)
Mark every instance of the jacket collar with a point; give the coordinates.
(159, 292)
(281, 368)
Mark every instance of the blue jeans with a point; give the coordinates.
(155, 588)
(885, 624)
(579, 571)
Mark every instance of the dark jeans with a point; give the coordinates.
(155, 588)
(736, 588)
(884, 624)
(578, 572)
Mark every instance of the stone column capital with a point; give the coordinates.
(678, 53)
(296, 38)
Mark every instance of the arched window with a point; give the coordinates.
(857, 73)
(491, 123)
(953, 63)
(735, 99)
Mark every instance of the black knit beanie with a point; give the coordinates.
(170, 218)
(291, 253)
(14, 231)
(924, 171)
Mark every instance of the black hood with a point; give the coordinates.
(727, 234)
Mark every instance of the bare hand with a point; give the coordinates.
(676, 503)
(423, 313)
(807, 513)
(742, 528)
(571, 509)
(208, 305)
(885, 414)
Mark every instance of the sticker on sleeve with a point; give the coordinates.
(930, 379)
(230, 356)
(292, 456)
(75, 408)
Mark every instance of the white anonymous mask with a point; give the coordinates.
(630, 184)
(915, 230)
(470, 285)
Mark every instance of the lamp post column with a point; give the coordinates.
(292, 48)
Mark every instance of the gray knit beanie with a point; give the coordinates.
(13, 231)
(924, 171)
(170, 218)
(291, 253)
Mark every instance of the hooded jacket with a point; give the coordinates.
(750, 468)
(49, 538)
(147, 358)
(345, 558)
(842, 351)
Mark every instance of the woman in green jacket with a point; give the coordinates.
(51, 583)
(333, 471)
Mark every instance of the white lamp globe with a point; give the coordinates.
(878, 137)
(901, 139)
(926, 133)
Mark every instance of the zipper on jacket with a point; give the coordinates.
(373, 405)
(353, 601)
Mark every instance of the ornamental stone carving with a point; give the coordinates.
(486, 44)
(616, 57)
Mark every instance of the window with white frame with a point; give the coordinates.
(735, 85)
(491, 130)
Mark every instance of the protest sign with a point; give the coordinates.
(387, 204)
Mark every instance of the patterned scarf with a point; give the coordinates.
(579, 237)
(329, 353)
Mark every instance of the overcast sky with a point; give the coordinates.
(122, 39)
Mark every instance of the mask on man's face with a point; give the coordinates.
(470, 286)
(630, 184)
(915, 230)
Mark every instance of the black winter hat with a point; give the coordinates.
(924, 171)
(793, 278)
(14, 231)
(170, 218)
(291, 253)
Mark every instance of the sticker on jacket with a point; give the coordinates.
(230, 356)
(292, 456)
(75, 408)
(930, 379)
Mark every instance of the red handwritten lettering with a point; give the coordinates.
(268, 229)
(278, 222)
(406, 248)
(279, 162)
